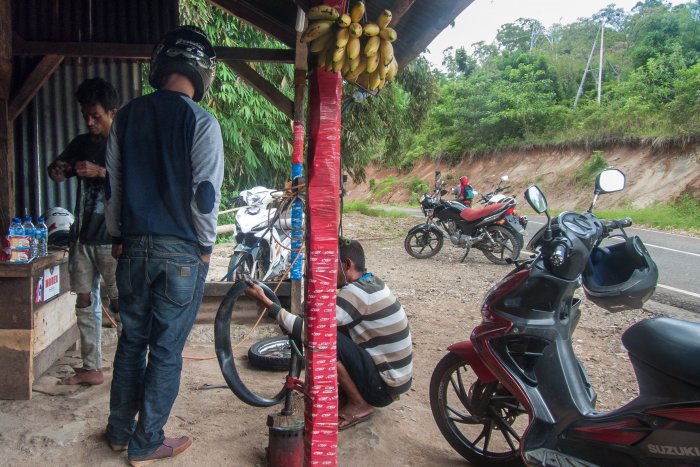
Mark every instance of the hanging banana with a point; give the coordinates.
(357, 11)
(316, 30)
(322, 12)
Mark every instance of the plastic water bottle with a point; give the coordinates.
(16, 227)
(42, 238)
(30, 232)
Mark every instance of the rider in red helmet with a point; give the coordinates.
(466, 193)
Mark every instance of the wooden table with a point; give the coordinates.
(37, 321)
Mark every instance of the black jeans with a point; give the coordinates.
(362, 371)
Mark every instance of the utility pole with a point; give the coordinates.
(585, 72)
(600, 66)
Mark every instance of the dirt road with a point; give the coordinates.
(442, 298)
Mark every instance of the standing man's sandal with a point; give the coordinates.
(83, 376)
(170, 448)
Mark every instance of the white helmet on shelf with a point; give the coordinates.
(58, 220)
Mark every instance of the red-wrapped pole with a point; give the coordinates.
(321, 414)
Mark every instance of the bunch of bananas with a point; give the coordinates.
(364, 54)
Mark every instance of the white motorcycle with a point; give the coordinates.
(514, 222)
(263, 237)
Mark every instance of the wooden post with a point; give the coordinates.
(7, 154)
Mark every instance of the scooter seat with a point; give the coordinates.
(471, 215)
(672, 346)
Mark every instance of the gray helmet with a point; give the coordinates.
(185, 50)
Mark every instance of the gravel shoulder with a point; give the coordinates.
(442, 297)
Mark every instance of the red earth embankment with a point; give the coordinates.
(652, 175)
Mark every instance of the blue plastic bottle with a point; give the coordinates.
(16, 227)
(42, 238)
(30, 232)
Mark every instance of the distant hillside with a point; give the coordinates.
(653, 175)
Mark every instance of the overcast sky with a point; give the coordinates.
(480, 20)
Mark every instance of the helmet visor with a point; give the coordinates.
(197, 55)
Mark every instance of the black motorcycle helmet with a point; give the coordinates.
(620, 277)
(185, 50)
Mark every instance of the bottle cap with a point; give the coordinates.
(41, 219)
(28, 219)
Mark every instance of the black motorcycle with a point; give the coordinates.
(466, 228)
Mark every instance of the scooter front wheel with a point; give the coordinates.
(423, 244)
(484, 423)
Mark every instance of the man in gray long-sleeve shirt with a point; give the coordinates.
(165, 166)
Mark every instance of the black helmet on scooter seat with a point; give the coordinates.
(620, 277)
(185, 50)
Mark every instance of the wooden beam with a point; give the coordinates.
(258, 19)
(142, 51)
(263, 86)
(7, 153)
(36, 79)
(399, 9)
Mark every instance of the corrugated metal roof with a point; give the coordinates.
(50, 121)
(125, 21)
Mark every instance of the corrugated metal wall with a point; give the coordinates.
(50, 121)
(53, 117)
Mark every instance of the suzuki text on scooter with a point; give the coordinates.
(515, 392)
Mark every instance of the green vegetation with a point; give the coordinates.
(681, 214)
(587, 174)
(363, 208)
(416, 187)
(521, 90)
(383, 187)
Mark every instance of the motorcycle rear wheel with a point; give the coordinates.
(505, 247)
(423, 244)
(489, 438)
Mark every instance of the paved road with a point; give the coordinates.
(678, 259)
(677, 256)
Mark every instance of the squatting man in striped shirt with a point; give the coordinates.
(374, 346)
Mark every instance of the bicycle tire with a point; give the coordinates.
(224, 352)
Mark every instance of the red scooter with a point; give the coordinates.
(516, 394)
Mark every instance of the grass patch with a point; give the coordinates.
(416, 187)
(681, 214)
(586, 175)
(382, 188)
(363, 208)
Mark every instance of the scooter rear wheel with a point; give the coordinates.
(484, 423)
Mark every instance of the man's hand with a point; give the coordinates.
(117, 250)
(58, 171)
(256, 292)
(205, 258)
(89, 170)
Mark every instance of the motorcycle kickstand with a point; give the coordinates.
(465, 255)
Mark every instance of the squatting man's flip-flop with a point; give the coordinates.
(345, 422)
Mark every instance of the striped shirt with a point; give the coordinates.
(369, 313)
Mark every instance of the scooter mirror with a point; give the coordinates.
(536, 198)
(609, 181)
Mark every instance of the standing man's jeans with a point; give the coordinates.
(161, 283)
